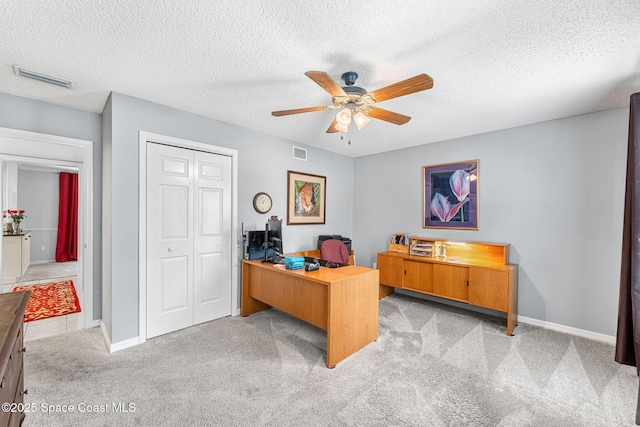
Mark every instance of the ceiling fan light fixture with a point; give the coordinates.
(355, 103)
(344, 117)
(361, 119)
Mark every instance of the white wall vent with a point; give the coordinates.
(300, 153)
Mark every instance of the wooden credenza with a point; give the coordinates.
(475, 273)
(12, 391)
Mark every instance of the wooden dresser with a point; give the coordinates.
(475, 273)
(12, 308)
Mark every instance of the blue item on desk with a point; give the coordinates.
(293, 262)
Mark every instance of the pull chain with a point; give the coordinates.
(349, 135)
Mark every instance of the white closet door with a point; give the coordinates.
(188, 238)
(212, 230)
(169, 239)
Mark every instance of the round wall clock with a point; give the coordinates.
(262, 202)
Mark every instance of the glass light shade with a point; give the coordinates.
(341, 128)
(344, 117)
(361, 119)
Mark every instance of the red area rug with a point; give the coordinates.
(50, 300)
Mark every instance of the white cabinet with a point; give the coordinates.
(16, 256)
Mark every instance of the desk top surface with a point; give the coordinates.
(322, 275)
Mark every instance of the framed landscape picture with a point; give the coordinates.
(305, 198)
(450, 198)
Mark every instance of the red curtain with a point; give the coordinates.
(67, 245)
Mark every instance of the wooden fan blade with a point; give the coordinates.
(405, 87)
(298, 111)
(326, 82)
(386, 115)
(332, 127)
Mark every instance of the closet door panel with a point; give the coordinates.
(169, 239)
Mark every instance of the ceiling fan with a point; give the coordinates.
(356, 104)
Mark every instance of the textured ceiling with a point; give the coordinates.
(495, 64)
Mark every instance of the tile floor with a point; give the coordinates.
(45, 273)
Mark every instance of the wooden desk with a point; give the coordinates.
(343, 301)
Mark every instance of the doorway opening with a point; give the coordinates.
(41, 251)
(44, 152)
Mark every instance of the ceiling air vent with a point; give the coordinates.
(299, 153)
(43, 78)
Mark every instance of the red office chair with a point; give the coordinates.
(335, 251)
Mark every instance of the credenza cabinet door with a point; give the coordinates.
(418, 276)
(451, 282)
(489, 288)
(391, 270)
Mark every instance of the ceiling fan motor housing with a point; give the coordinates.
(353, 92)
(349, 78)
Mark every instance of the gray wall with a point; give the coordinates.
(263, 162)
(553, 190)
(35, 116)
(38, 195)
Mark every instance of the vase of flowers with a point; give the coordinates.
(16, 217)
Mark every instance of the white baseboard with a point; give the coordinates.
(113, 347)
(568, 330)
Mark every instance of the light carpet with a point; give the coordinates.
(432, 365)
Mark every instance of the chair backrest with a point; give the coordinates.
(335, 251)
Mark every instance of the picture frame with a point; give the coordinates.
(306, 196)
(450, 195)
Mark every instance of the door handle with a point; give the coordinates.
(171, 248)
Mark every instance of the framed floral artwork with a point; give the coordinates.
(306, 198)
(450, 198)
